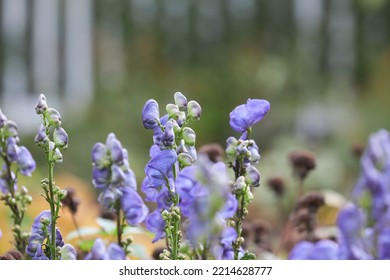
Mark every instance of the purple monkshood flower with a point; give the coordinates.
(150, 114)
(246, 115)
(111, 167)
(101, 252)
(205, 199)
(384, 244)
(21, 156)
(223, 249)
(4, 180)
(111, 173)
(12, 149)
(133, 207)
(375, 175)
(40, 255)
(68, 252)
(38, 235)
(321, 250)
(355, 240)
(25, 161)
(155, 223)
(159, 168)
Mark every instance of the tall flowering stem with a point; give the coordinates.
(243, 154)
(52, 138)
(113, 177)
(173, 149)
(19, 157)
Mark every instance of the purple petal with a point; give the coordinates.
(115, 252)
(25, 162)
(160, 167)
(155, 223)
(246, 115)
(133, 207)
(150, 114)
(99, 154)
(12, 149)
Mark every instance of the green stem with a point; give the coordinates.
(17, 215)
(240, 215)
(119, 223)
(53, 211)
(175, 239)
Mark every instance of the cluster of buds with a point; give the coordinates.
(16, 159)
(171, 130)
(242, 156)
(40, 232)
(51, 136)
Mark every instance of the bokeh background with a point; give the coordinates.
(323, 64)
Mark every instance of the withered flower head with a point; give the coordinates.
(107, 214)
(12, 255)
(71, 201)
(157, 252)
(311, 200)
(302, 162)
(277, 185)
(260, 229)
(357, 150)
(214, 151)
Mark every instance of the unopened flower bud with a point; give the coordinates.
(60, 138)
(150, 114)
(116, 151)
(99, 155)
(53, 117)
(68, 252)
(28, 199)
(185, 159)
(3, 119)
(54, 153)
(165, 215)
(240, 183)
(62, 194)
(252, 176)
(231, 148)
(189, 136)
(41, 138)
(12, 149)
(41, 106)
(254, 154)
(45, 221)
(11, 129)
(168, 136)
(180, 101)
(194, 110)
(173, 111)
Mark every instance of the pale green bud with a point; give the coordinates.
(189, 136)
(180, 101)
(194, 110)
(173, 111)
(53, 117)
(185, 160)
